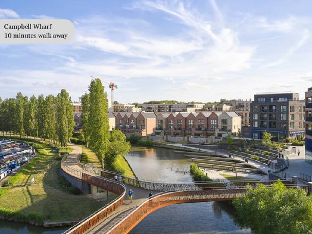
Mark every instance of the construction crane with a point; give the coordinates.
(112, 87)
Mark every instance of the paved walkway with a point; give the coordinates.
(139, 196)
(297, 164)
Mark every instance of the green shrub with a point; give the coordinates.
(197, 174)
(134, 139)
(77, 141)
(147, 143)
(38, 146)
(297, 143)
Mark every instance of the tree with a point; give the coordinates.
(65, 117)
(117, 146)
(98, 120)
(50, 122)
(275, 210)
(20, 101)
(41, 116)
(30, 117)
(266, 138)
(229, 140)
(85, 103)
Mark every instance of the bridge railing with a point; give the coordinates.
(101, 182)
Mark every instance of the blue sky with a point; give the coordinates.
(200, 50)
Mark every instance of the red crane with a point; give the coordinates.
(112, 87)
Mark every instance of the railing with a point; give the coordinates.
(309, 119)
(104, 183)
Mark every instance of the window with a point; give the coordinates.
(120, 121)
(255, 109)
(255, 116)
(283, 117)
(171, 122)
(282, 99)
(179, 121)
(132, 121)
(292, 125)
(191, 121)
(224, 121)
(272, 117)
(263, 124)
(213, 123)
(272, 108)
(283, 126)
(263, 116)
(292, 108)
(300, 108)
(255, 124)
(283, 109)
(264, 108)
(272, 99)
(261, 99)
(272, 124)
(200, 121)
(292, 117)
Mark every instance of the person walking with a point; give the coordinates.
(150, 195)
(298, 152)
(130, 195)
(115, 177)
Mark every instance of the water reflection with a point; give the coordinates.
(157, 164)
(7, 227)
(207, 217)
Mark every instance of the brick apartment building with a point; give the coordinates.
(281, 114)
(308, 127)
(201, 124)
(140, 123)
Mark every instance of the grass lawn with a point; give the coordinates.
(88, 156)
(234, 178)
(120, 162)
(46, 198)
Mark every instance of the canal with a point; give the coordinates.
(173, 166)
(158, 164)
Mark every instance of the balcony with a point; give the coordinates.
(309, 105)
(309, 119)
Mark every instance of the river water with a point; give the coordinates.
(172, 166)
(164, 165)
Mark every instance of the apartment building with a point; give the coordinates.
(217, 107)
(308, 127)
(201, 124)
(124, 108)
(281, 114)
(140, 123)
(182, 107)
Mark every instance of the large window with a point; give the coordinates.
(272, 124)
(261, 99)
(272, 108)
(283, 109)
(292, 117)
(283, 117)
(200, 121)
(263, 124)
(255, 124)
(224, 121)
(264, 108)
(291, 125)
(255, 116)
(272, 116)
(213, 123)
(255, 109)
(263, 116)
(179, 121)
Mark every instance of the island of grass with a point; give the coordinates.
(50, 198)
(119, 165)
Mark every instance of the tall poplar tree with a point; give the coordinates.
(41, 117)
(85, 103)
(50, 123)
(20, 101)
(98, 119)
(65, 118)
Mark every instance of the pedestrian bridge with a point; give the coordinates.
(120, 216)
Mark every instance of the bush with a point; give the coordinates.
(37, 146)
(297, 143)
(197, 174)
(147, 143)
(77, 141)
(134, 139)
(68, 186)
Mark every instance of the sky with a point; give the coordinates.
(200, 50)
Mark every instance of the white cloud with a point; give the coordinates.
(42, 17)
(8, 13)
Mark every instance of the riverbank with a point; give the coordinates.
(46, 199)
